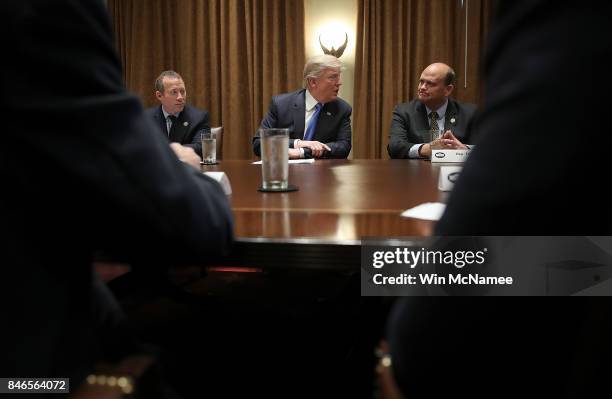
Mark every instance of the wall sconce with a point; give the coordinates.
(335, 52)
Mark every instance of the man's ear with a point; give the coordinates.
(449, 89)
(158, 95)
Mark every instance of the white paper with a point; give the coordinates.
(308, 160)
(222, 178)
(448, 177)
(427, 211)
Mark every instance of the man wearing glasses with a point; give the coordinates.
(432, 112)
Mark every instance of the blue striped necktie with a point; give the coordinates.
(312, 124)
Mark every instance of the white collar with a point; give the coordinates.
(311, 102)
(441, 111)
(166, 115)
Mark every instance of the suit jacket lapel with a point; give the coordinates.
(177, 134)
(299, 111)
(451, 113)
(161, 121)
(326, 117)
(422, 121)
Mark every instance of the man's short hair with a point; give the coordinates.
(159, 82)
(316, 65)
(450, 77)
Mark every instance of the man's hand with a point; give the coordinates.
(187, 155)
(295, 153)
(450, 142)
(317, 148)
(447, 141)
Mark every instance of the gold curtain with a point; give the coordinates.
(233, 55)
(396, 40)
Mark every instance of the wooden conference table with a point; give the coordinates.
(338, 203)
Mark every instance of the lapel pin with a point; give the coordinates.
(328, 113)
(453, 121)
(185, 123)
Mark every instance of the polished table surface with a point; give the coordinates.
(338, 200)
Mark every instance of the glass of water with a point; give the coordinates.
(274, 158)
(209, 148)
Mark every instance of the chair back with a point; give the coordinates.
(219, 135)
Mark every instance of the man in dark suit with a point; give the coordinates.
(525, 177)
(179, 122)
(319, 121)
(414, 121)
(89, 185)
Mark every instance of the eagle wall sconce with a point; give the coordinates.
(335, 52)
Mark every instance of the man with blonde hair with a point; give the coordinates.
(319, 121)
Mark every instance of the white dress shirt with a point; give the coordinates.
(311, 103)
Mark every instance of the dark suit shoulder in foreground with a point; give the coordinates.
(525, 177)
(93, 178)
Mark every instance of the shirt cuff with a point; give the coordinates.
(414, 151)
(301, 148)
